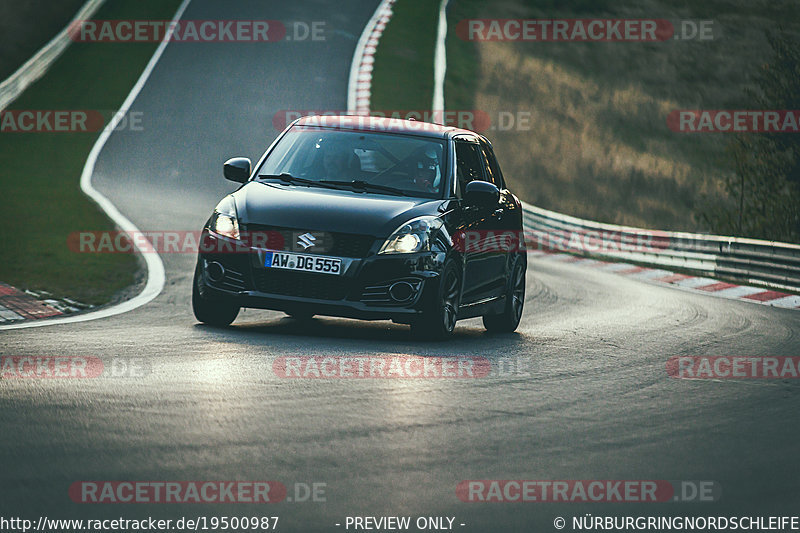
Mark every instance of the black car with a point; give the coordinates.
(367, 218)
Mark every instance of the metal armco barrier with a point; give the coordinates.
(774, 264)
(35, 67)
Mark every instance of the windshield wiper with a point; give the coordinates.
(365, 185)
(288, 178)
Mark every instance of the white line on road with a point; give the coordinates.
(155, 268)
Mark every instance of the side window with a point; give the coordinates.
(469, 165)
(487, 169)
(493, 172)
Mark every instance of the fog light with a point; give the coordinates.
(215, 271)
(402, 291)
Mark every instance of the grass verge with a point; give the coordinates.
(40, 172)
(597, 145)
(403, 76)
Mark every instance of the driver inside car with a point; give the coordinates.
(426, 171)
(334, 161)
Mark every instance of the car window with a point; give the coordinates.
(493, 173)
(411, 164)
(468, 165)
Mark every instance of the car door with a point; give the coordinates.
(503, 226)
(478, 270)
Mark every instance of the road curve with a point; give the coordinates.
(590, 397)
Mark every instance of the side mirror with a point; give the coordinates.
(481, 194)
(237, 169)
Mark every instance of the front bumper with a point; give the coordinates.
(375, 287)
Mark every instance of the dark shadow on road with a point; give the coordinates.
(323, 333)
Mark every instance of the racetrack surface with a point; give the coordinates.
(590, 399)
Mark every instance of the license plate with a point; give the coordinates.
(305, 263)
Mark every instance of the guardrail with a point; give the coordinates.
(768, 263)
(36, 66)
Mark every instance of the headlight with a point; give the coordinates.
(224, 221)
(413, 236)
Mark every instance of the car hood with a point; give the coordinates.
(327, 209)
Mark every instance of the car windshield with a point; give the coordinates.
(384, 163)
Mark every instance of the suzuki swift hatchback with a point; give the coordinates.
(367, 218)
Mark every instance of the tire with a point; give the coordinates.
(439, 320)
(211, 312)
(508, 320)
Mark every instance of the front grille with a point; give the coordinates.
(327, 243)
(300, 284)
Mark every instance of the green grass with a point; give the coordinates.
(40, 172)
(598, 146)
(403, 75)
(463, 61)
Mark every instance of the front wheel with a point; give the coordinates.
(508, 320)
(439, 320)
(211, 312)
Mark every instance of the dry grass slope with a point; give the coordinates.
(599, 146)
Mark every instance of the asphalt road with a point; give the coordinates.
(586, 395)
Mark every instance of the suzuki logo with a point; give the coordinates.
(306, 240)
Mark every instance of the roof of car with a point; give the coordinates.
(381, 124)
